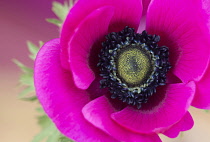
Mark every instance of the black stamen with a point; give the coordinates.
(145, 47)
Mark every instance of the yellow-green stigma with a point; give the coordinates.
(133, 65)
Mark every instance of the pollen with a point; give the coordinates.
(134, 65)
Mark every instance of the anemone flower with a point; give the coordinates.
(106, 80)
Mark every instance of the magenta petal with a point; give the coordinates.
(89, 31)
(202, 95)
(173, 107)
(98, 113)
(183, 27)
(142, 25)
(145, 4)
(184, 124)
(206, 7)
(124, 10)
(126, 14)
(61, 100)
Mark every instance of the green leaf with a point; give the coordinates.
(44, 121)
(61, 11)
(26, 78)
(49, 132)
(31, 99)
(54, 136)
(54, 21)
(33, 49)
(207, 110)
(26, 91)
(64, 139)
(23, 68)
(40, 110)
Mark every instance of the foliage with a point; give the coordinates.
(60, 10)
(49, 132)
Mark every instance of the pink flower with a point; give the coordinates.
(67, 78)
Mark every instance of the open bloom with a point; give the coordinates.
(67, 78)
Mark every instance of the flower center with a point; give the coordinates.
(133, 65)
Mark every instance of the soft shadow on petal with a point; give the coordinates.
(127, 13)
(202, 95)
(183, 27)
(186, 123)
(153, 116)
(61, 99)
(98, 113)
(93, 28)
(95, 91)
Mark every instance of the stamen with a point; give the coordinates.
(133, 65)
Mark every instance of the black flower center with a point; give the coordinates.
(133, 65)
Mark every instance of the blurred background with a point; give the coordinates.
(20, 20)
(24, 20)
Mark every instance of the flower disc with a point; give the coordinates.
(133, 65)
